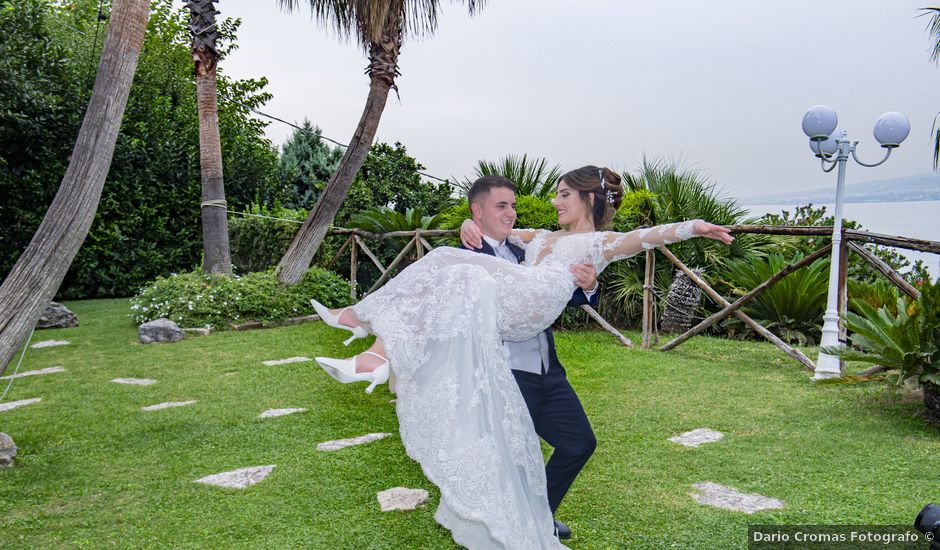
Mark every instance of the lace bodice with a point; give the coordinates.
(599, 248)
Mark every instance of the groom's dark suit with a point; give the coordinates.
(555, 408)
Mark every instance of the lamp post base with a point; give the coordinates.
(829, 366)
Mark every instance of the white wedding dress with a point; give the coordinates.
(461, 414)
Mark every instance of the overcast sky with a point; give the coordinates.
(720, 84)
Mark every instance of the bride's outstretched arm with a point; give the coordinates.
(618, 246)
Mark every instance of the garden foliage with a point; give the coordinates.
(198, 299)
(148, 219)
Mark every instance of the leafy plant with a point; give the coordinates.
(259, 239)
(907, 342)
(307, 162)
(197, 299)
(792, 307)
(531, 176)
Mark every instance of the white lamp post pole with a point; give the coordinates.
(834, 148)
(829, 366)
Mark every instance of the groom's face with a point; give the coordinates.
(496, 213)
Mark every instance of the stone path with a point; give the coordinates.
(50, 370)
(729, 498)
(697, 437)
(49, 344)
(343, 443)
(401, 498)
(16, 404)
(135, 381)
(270, 413)
(274, 362)
(238, 479)
(167, 405)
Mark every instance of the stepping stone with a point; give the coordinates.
(343, 443)
(729, 498)
(401, 498)
(274, 362)
(697, 437)
(135, 381)
(238, 479)
(199, 331)
(270, 413)
(168, 405)
(49, 344)
(50, 370)
(7, 450)
(16, 404)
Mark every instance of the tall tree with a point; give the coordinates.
(217, 258)
(35, 277)
(379, 26)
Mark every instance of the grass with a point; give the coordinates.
(95, 471)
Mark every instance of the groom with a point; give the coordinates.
(554, 406)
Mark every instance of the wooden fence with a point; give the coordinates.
(851, 241)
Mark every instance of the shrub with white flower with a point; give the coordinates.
(197, 299)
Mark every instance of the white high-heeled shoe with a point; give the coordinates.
(344, 370)
(333, 320)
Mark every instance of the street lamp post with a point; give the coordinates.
(833, 149)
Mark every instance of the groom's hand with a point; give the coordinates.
(585, 276)
(470, 235)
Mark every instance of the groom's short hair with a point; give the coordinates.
(482, 186)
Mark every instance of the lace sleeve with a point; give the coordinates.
(522, 236)
(617, 246)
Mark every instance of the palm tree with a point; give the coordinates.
(933, 27)
(532, 177)
(379, 26)
(37, 274)
(217, 258)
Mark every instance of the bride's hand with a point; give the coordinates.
(712, 231)
(470, 235)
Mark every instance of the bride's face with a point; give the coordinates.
(568, 204)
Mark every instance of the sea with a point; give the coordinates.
(916, 219)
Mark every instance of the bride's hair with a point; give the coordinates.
(604, 184)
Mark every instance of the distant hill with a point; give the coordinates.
(924, 187)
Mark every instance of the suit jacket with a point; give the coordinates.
(579, 298)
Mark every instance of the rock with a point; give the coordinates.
(167, 405)
(49, 344)
(287, 361)
(729, 498)
(343, 443)
(160, 330)
(50, 370)
(271, 413)
(7, 450)
(697, 437)
(135, 381)
(238, 479)
(10, 405)
(401, 498)
(198, 330)
(57, 316)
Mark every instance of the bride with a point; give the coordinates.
(440, 325)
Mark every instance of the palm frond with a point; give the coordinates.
(364, 20)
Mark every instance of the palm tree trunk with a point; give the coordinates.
(36, 277)
(383, 68)
(681, 304)
(217, 257)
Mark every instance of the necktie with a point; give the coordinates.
(503, 252)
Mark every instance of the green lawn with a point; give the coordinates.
(96, 471)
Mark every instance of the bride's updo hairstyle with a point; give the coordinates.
(604, 184)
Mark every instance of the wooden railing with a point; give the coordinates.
(850, 242)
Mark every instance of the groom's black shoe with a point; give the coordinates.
(562, 530)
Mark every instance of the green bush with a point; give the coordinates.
(259, 243)
(791, 308)
(197, 299)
